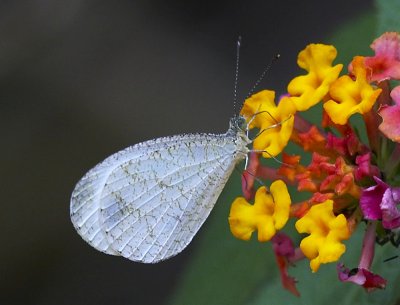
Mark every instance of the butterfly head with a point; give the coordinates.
(238, 129)
(238, 123)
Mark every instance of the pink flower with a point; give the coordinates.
(390, 114)
(386, 62)
(361, 275)
(380, 202)
(285, 255)
(365, 169)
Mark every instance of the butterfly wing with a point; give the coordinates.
(148, 201)
(85, 199)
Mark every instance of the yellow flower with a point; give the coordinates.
(326, 230)
(308, 90)
(274, 121)
(269, 213)
(351, 96)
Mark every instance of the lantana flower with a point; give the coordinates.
(380, 202)
(308, 90)
(350, 182)
(286, 254)
(362, 275)
(326, 230)
(269, 213)
(351, 96)
(385, 64)
(390, 126)
(275, 122)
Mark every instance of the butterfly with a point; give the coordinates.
(148, 201)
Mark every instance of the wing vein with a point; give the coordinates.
(156, 206)
(172, 231)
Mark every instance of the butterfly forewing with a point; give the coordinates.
(148, 201)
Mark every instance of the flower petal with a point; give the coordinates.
(308, 90)
(274, 121)
(390, 211)
(326, 230)
(371, 199)
(284, 251)
(390, 126)
(349, 97)
(362, 277)
(269, 213)
(386, 62)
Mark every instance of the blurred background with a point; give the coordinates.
(80, 80)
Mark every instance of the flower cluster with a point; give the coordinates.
(353, 174)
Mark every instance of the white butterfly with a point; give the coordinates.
(147, 202)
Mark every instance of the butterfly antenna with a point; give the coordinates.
(259, 80)
(235, 90)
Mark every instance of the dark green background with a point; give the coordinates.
(80, 80)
